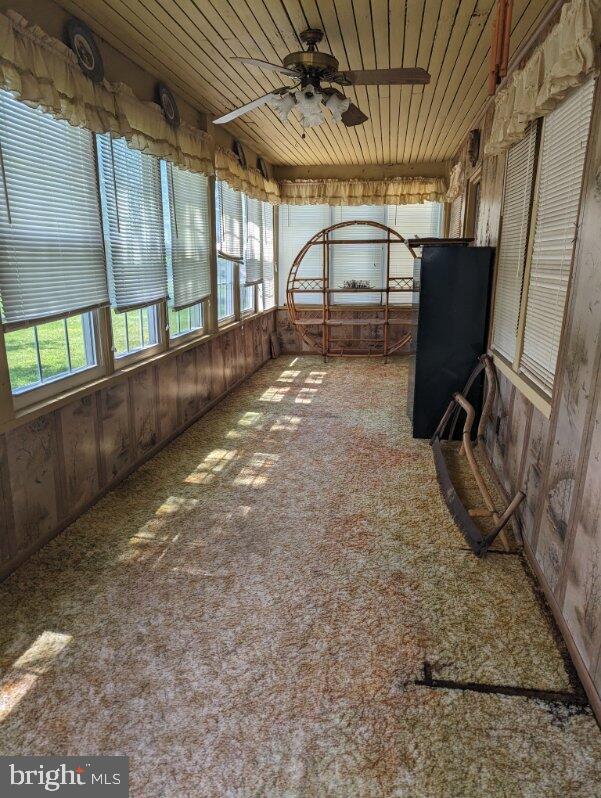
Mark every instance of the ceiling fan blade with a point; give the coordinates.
(266, 66)
(383, 77)
(244, 109)
(353, 116)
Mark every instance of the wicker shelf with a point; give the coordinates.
(319, 338)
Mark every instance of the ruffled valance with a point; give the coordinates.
(455, 182)
(43, 72)
(145, 128)
(560, 63)
(394, 191)
(244, 178)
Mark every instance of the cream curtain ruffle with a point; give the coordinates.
(455, 182)
(43, 72)
(243, 178)
(145, 128)
(561, 62)
(394, 191)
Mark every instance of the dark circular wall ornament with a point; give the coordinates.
(81, 41)
(238, 151)
(262, 167)
(168, 104)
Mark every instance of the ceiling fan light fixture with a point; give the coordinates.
(282, 104)
(337, 105)
(308, 100)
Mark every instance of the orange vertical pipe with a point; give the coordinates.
(506, 38)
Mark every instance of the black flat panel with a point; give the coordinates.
(452, 329)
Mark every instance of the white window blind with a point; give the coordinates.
(230, 221)
(455, 218)
(363, 261)
(421, 219)
(187, 235)
(130, 190)
(253, 251)
(517, 200)
(268, 257)
(563, 150)
(297, 224)
(51, 253)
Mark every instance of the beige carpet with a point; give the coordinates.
(250, 613)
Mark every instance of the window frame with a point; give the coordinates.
(189, 335)
(136, 356)
(52, 388)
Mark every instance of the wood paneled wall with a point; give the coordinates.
(557, 460)
(292, 344)
(52, 468)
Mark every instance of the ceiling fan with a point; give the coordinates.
(310, 68)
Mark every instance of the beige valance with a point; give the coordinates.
(455, 182)
(145, 128)
(561, 62)
(43, 72)
(394, 191)
(244, 178)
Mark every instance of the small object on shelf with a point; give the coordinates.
(356, 284)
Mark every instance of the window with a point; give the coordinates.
(187, 235)
(267, 289)
(472, 208)
(563, 150)
(247, 293)
(230, 221)
(298, 223)
(130, 193)
(357, 261)
(455, 217)
(517, 200)
(44, 353)
(420, 219)
(225, 289)
(185, 321)
(134, 330)
(536, 247)
(51, 253)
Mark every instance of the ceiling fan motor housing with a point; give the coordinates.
(311, 66)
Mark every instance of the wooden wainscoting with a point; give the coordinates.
(292, 344)
(55, 466)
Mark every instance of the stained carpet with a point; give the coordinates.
(279, 604)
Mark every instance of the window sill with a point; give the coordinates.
(58, 400)
(534, 395)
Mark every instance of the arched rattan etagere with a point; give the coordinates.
(306, 321)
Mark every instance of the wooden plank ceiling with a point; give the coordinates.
(188, 43)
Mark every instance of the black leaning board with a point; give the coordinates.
(452, 330)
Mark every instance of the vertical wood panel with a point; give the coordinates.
(218, 382)
(582, 604)
(203, 375)
(115, 432)
(7, 526)
(187, 389)
(33, 467)
(79, 452)
(533, 472)
(143, 391)
(167, 396)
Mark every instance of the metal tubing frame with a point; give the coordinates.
(463, 516)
